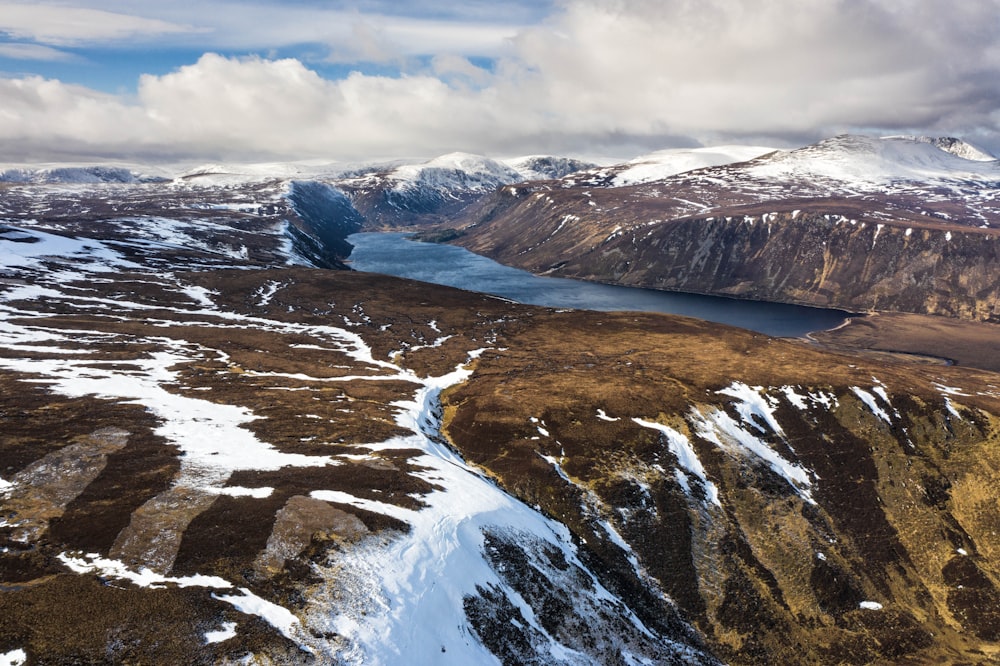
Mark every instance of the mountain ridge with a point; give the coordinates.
(851, 222)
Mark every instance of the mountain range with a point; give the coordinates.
(220, 447)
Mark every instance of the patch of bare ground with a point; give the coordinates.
(72, 619)
(918, 338)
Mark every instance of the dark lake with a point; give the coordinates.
(396, 254)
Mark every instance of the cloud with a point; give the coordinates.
(19, 51)
(60, 25)
(355, 32)
(597, 76)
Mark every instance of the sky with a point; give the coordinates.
(262, 80)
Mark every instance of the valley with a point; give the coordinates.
(219, 447)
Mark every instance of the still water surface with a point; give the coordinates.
(396, 254)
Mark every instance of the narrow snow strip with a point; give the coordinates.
(95, 564)
(227, 631)
(617, 539)
(871, 403)
(277, 616)
(947, 403)
(558, 467)
(366, 504)
(753, 407)
(239, 491)
(604, 417)
(724, 431)
(681, 447)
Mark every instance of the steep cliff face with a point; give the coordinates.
(820, 260)
(324, 218)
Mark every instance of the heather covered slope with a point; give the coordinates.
(797, 506)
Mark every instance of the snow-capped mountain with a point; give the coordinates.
(82, 174)
(435, 190)
(956, 147)
(861, 161)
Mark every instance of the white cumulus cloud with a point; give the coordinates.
(596, 76)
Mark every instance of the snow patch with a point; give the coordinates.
(267, 291)
(681, 448)
(950, 390)
(604, 417)
(227, 631)
(871, 403)
(199, 295)
(798, 401)
(870, 605)
(16, 657)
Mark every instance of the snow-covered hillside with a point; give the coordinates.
(546, 167)
(869, 161)
(422, 590)
(88, 174)
(665, 163)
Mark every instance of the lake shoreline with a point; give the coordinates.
(399, 254)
